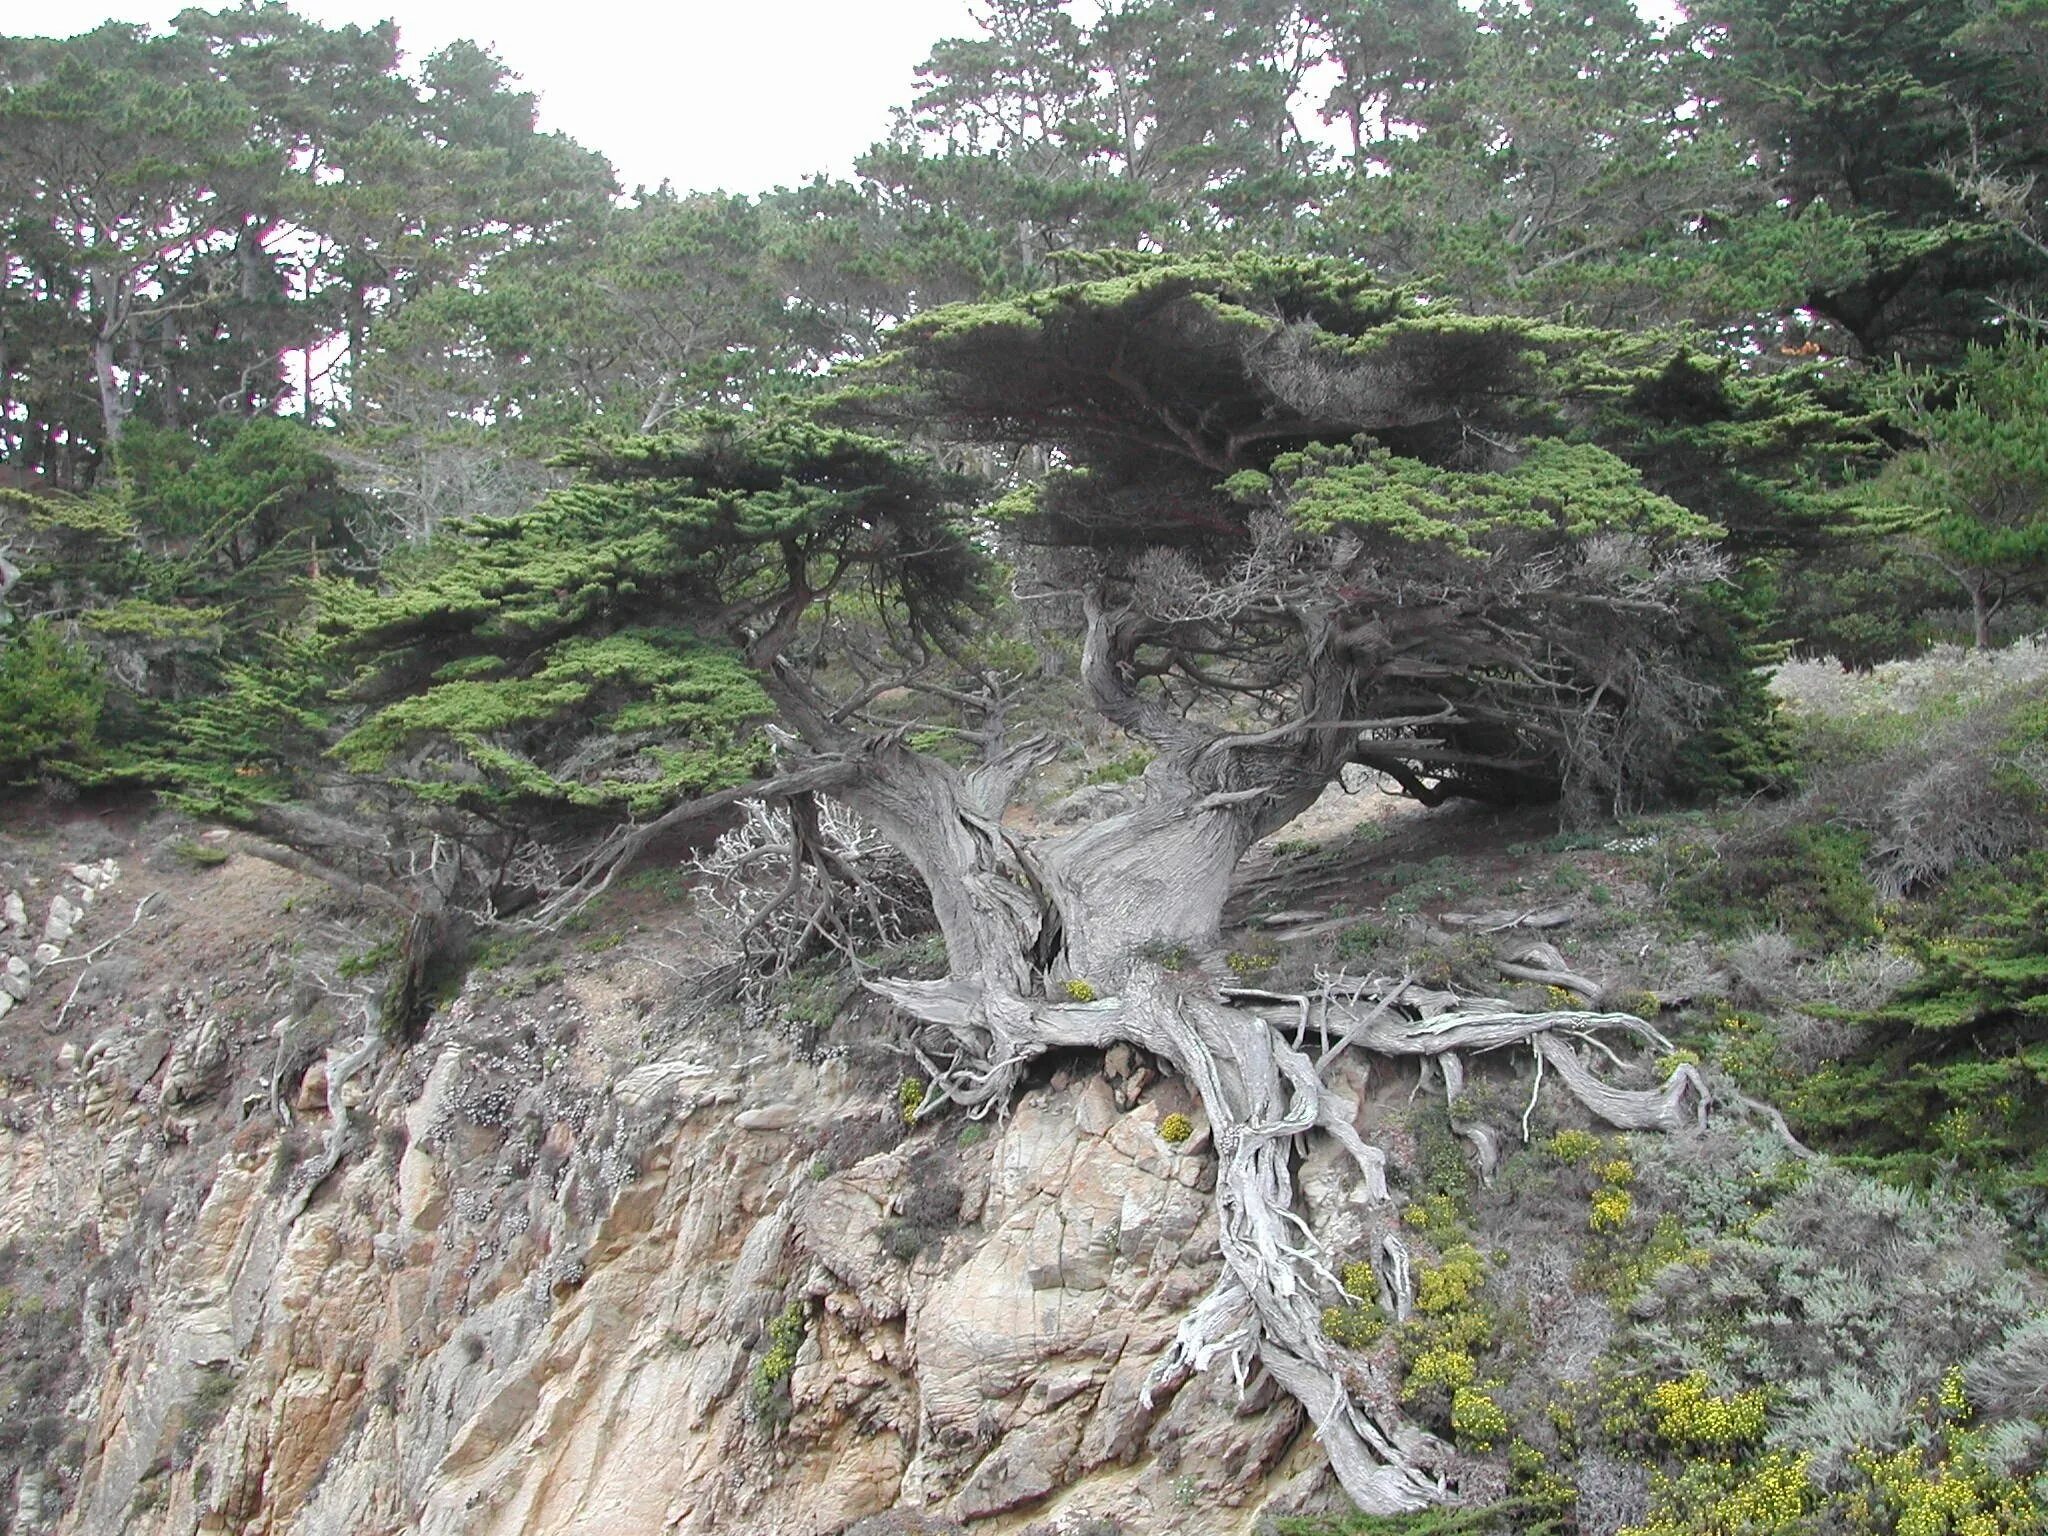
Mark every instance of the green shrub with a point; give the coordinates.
(51, 698)
(769, 1385)
(1806, 880)
(1951, 1075)
(1359, 1326)
(1361, 941)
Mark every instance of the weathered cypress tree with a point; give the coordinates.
(1384, 532)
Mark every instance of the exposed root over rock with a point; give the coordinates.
(1262, 1094)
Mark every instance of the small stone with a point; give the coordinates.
(1095, 1110)
(67, 1056)
(767, 1117)
(46, 952)
(312, 1092)
(12, 910)
(63, 918)
(1117, 1062)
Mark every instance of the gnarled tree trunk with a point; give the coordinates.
(1109, 934)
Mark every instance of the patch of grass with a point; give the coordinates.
(545, 974)
(923, 956)
(194, 854)
(814, 994)
(1121, 770)
(664, 880)
(499, 951)
(365, 962)
(1168, 957)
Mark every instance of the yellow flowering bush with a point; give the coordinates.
(1438, 1367)
(1765, 1497)
(1574, 1146)
(1610, 1210)
(1175, 1129)
(1955, 1402)
(1619, 1171)
(909, 1099)
(769, 1386)
(1359, 1323)
(1907, 1497)
(1080, 991)
(1688, 1415)
(1452, 1284)
(1432, 1213)
(1476, 1419)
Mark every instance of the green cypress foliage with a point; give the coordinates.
(51, 695)
(601, 653)
(1554, 479)
(1954, 1075)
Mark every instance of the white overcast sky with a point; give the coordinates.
(742, 95)
(739, 94)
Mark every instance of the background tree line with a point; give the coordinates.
(277, 303)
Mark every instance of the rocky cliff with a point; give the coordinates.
(588, 1256)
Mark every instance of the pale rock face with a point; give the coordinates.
(196, 1063)
(1000, 1371)
(546, 1312)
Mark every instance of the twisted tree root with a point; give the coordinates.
(1261, 1095)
